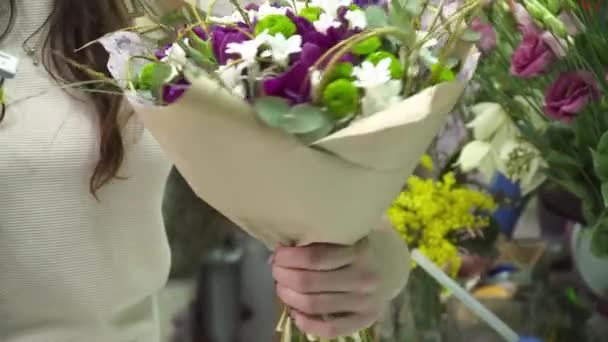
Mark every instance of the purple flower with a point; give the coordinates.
(172, 92)
(252, 7)
(162, 52)
(221, 37)
(290, 85)
(487, 42)
(569, 94)
(367, 3)
(200, 32)
(532, 56)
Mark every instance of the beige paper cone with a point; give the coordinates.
(281, 191)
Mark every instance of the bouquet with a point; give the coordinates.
(299, 121)
(547, 59)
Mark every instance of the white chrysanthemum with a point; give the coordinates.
(232, 78)
(381, 97)
(356, 19)
(176, 56)
(281, 48)
(248, 50)
(267, 9)
(324, 22)
(369, 75)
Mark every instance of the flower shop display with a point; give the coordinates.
(440, 220)
(311, 113)
(544, 73)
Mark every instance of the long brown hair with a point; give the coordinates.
(73, 24)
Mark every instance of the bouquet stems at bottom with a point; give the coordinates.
(289, 332)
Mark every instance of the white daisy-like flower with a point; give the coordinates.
(176, 56)
(356, 19)
(381, 97)
(330, 7)
(232, 78)
(369, 75)
(324, 22)
(267, 9)
(248, 50)
(281, 48)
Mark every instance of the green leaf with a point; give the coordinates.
(271, 110)
(303, 119)
(584, 125)
(562, 161)
(605, 194)
(470, 36)
(602, 146)
(202, 46)
(400, 17)
(155, 76)
(376, 17)
(599, 242)
(311, 137)
(413, 7)
(600, 165)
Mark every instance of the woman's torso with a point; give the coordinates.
(73, 268)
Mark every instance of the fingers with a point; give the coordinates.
(328, 327)
(326, 303)
(318, 257)
(348, 279)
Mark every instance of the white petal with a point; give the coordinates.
(472, 155)
(488, 119)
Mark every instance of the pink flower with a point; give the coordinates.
(532, 56)
(487, 42)
(569, 94)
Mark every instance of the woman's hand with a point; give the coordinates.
(337, 290)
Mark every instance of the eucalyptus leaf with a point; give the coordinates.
(303, 119)
(376, 17)
(271, 110)
(470, 36)
(311, 137)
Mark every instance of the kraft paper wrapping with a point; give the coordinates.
(283, 192)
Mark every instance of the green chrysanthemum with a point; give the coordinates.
(341, 70)
(311, 13)
(276, 23)
(367, 46)
(395, 67)
(341, 97)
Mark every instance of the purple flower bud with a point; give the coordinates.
(487, 43)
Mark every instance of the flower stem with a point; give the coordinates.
(244, 14)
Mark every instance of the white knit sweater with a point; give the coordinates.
(72, 268)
